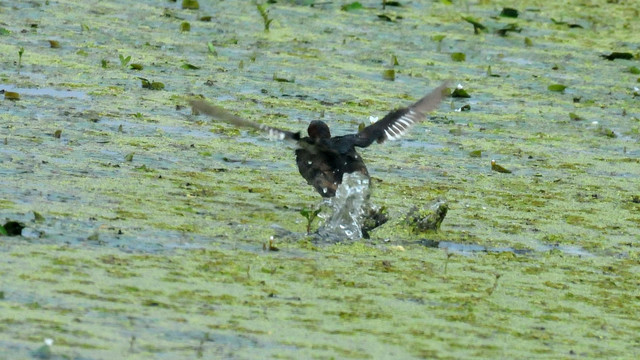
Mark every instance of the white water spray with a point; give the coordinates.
(348, 208)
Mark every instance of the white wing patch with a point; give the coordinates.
(273, 134)
(399, 127)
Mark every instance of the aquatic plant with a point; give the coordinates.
(438, 39)
(262, 9)
(124, 60)
(310, 215)
(20, 52)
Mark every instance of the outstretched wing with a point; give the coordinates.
(221, 114)
(396, 123)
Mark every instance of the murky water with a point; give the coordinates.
(158, 223)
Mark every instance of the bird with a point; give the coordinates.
(323, 159)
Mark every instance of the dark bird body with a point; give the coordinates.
(322, 159)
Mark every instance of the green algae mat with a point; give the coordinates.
(130, 227)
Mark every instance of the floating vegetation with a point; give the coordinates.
(557, 22)
(212, 49)
(509, 12)
(389, 17)
(190, 4)
(104, 63)
(477, 27)
(513, 27)
(124, 60)
(389, 74)
(205, 18)
(496, 167)
(394, 60)
(188, 66)
(556, 87)
(427, 219)
(11, 95)
(386, 3)
(438, 39)
(185, 26)
(11, 228)
(54, 44)
(151, 85)
(129, 157)
(460, 92)
(618, 55)
(264, 13)
(634, 70)
(351, 6)
(528, 42)
(458, 56)
(606, 132)
(57, 134)
(475, 153)
(4, 31)
(574, 117)
(283, 79)
(136, 66)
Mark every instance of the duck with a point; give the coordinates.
(323, 159)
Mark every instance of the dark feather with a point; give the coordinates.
(221, 114)
(396, 123)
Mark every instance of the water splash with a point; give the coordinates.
(347, 209)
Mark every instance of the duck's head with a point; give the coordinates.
(318, 130)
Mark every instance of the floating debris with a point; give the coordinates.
(618, 55)
(11, 95)
(509, 12)
(190, 4)
(458, 57)
(556, 87)
(477, 27)
(428, 218)
(476, 153)
(574, 117)
(351, 6)
(513, 27)
(389, 74)
(151, 85)
(460, 92)
(498, 168)
(11, 228)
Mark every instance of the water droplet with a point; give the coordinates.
(309, 162)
